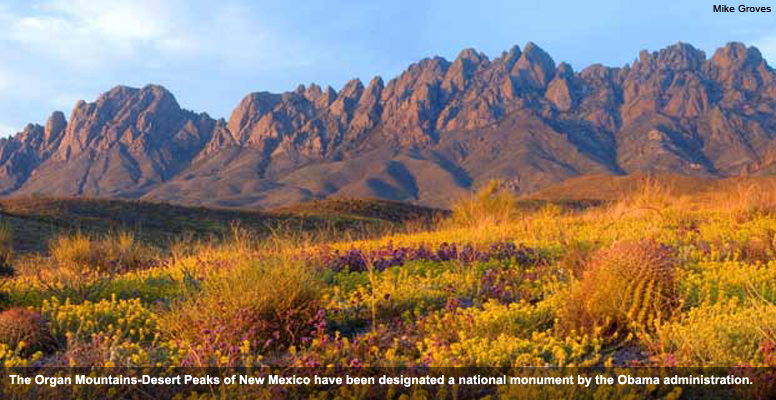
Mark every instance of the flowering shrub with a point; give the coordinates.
(121, 319)
(718, 281)
(650, 281)
(265, 306)
(355, 260)
(724, 333)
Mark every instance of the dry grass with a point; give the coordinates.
(576, 256)
(6, 243)
(117, 252)
(491, 205)
(747, 200)
(76, 252)
(651, 196)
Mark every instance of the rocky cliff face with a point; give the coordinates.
(125, 142)
(435, 131)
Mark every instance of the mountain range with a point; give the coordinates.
(430, 135)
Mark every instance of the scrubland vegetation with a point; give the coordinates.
(653, 280)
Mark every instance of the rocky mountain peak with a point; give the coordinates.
(377, 81)
(535, 68)
(250, 110)
(741, 69)
(675, 58)
(121, 114)
(55, 126)
(454, 124)
(463, 69)
(352, 89)
(510, 57)
(736, 55)
(347, 99)
(31, 134)
(565, 70)
(681, 56)
(471, 55)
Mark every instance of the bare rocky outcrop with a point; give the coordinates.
(436, 130)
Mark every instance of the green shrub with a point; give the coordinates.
(493, 204)
(19, 325)
(627, 288)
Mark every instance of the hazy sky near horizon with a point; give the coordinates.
(212, 53)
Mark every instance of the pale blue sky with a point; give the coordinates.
(211, 53)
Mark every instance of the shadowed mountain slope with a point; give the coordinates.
(35, 221)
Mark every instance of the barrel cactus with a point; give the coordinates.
(626, 287)
(19, 325)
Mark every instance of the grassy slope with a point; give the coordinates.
(394, 211)
(36, 220)
(612, 187)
